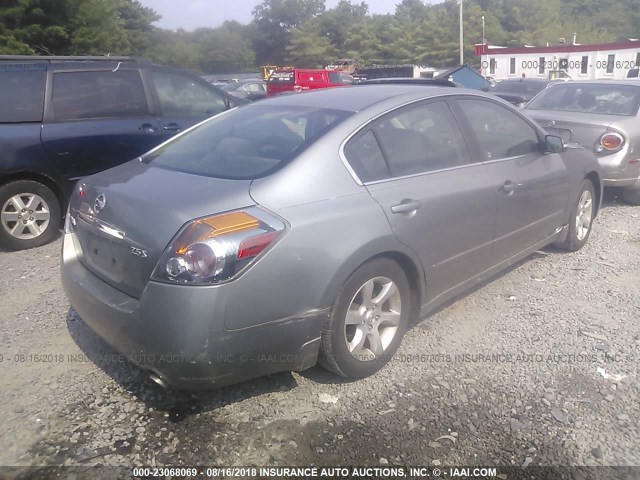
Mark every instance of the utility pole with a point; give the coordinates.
(483, 49)
(461, 36)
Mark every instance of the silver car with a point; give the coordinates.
(602, 116)
(315, 227)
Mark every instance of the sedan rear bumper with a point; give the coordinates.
(171, 331)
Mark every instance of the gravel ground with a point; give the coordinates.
(538, 367)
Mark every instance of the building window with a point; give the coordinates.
(584, 65)
(611, 60)
(541, 65)
(638, 59)
(492, 66)
(512, 66)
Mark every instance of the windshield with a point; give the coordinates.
(248, 142)
(519, 87)
(611, 99)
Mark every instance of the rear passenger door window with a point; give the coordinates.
(21, 95)
(421, 139)
(105, 94)
(500, 132)
(182, 96)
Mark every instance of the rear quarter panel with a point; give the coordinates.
(335, 227)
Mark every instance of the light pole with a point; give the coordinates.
(483, 49)
(461, 36)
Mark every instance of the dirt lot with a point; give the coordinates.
(538, 367)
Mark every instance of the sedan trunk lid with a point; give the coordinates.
(582, 128)
(126, 217)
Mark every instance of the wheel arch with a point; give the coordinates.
(45, 180)
(405, 258)
(594, 178)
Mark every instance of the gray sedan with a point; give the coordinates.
(315, 227)
(602, 116)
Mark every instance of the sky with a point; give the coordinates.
(191, 14)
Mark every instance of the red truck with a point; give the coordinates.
(298, 80)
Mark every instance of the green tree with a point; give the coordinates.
(338, 22)
(309, 48)
(225, 49)
(274, 20)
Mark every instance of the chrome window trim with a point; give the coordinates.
(504, 159)
(430, 172)
(347, 165)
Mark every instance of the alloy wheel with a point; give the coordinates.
(372, 319)
(584, 215)
(25, 216)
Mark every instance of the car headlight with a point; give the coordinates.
(216, 249)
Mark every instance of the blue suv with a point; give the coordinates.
(62, 118)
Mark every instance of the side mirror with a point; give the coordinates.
(554, 144)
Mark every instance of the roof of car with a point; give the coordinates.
(358, 97)
(411, 81)
(604, 81)
(532, 80)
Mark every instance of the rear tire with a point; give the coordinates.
(30, 215)
(581, 219)
(368, 320)
(631, 195)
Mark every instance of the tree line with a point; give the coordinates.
(305, 33)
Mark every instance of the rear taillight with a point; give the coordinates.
(609, 142)
(216, 249)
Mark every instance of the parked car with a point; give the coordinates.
(602, 116)
(251, 89)
(62, 118)
(520, 91)
(427, 82)
(315, 226)
(299, 80)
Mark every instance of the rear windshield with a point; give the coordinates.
(21, 95)
(611, 99)
(248, 142)
(519, 87)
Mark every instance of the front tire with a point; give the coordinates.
(581, 219)
(368, 320)
(30, 215)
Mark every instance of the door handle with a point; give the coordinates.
(172, 127)
(406, 206)
(147, 128)
(509, 187)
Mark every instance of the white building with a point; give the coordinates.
(575, 61)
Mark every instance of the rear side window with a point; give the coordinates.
(182, 96)
(366, 158)
(21, 96)
(84, 95)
